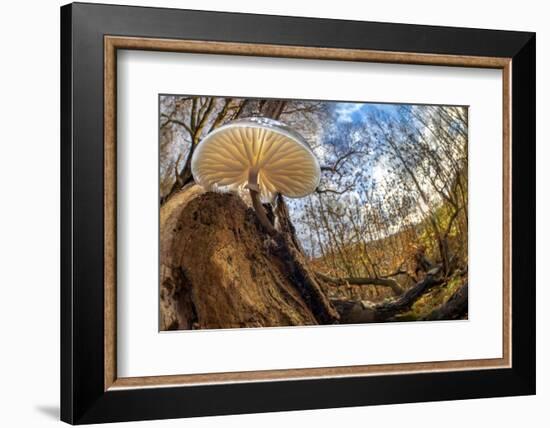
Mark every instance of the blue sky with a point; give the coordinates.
(355, 112)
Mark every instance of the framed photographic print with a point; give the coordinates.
(266, 213)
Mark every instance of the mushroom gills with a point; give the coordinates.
(259, 154)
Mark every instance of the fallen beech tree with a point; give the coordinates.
(361, 311)
(384, 282)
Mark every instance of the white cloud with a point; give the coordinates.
(345, 111)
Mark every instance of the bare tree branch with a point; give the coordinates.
(337, 164)
(383, 282)
(176, 122)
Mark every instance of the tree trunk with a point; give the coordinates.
(219, 269)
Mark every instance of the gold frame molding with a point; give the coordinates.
(113, 43)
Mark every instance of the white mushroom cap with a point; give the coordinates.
(256, 153)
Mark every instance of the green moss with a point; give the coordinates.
(431, 300)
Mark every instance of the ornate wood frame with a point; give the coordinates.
(113, 43)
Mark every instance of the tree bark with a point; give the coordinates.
(219, 269)
(454, 308)
(294, 263)
(285, 224)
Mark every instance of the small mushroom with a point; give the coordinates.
(262, 155)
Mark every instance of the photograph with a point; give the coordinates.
(293, 212)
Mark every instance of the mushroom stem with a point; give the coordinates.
(260, 211)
